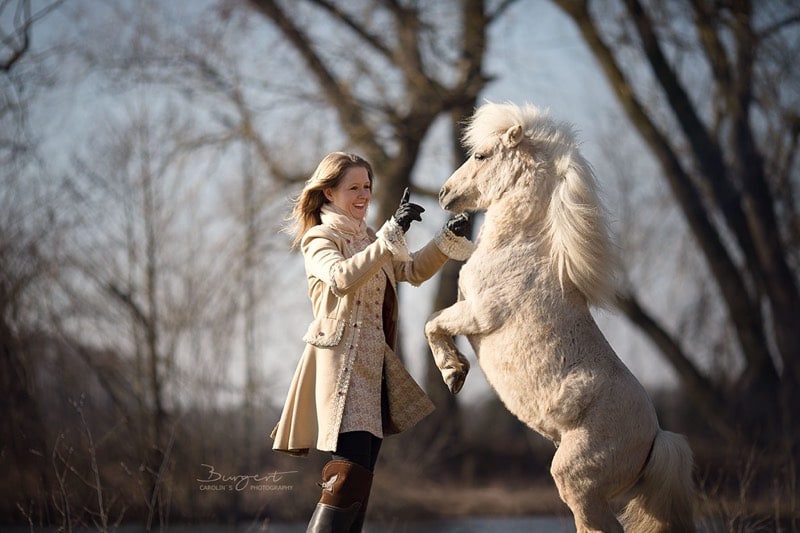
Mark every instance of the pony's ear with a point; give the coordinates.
(512, 136)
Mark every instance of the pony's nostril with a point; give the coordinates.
(442, 194)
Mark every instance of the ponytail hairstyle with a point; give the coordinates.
(306, 207)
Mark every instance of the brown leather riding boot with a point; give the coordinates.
(345, 488)
(358, 523)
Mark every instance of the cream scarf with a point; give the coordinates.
(339, 220)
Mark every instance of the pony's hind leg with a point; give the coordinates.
(594, 517)
(580, 484)
(591, 511)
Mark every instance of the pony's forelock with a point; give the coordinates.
(491, 120)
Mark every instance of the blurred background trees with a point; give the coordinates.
(150, 311)
(712, 90)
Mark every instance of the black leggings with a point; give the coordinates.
(360, 447)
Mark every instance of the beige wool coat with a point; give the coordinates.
(312, 413)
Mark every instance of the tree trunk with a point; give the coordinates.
(718, 179)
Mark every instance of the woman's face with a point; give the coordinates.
(353, 193)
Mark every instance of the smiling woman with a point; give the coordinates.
(352, 194)
(350, 389)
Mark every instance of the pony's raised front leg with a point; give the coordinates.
(451, 363)
(440, 329)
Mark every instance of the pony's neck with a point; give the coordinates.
(506, 223)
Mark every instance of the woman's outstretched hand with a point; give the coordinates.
(407, 212)
(460, 225)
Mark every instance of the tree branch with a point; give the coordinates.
(337, 93)
(22, 32)
(696, 385)
(715, 51)
(357, 28)
(501, 8)
(745, 313)
(779, 25)
(779, 280)
(707, 151)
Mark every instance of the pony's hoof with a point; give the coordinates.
(456, 381)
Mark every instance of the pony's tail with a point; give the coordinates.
(663, 500)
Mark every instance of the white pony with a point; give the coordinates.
(543, 256)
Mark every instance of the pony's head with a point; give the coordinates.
(521, 160)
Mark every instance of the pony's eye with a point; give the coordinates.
(480, 156)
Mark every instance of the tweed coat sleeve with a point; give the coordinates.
(325, 261)
(427, 261)
(423, 264)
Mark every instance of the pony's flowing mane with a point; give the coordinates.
(576, 225)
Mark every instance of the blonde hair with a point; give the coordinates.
(306, 207)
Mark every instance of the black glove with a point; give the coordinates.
(407, 212)
(460, 225)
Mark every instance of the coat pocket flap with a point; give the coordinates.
(324, 332)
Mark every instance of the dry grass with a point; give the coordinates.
(94, 477)
(393, 498)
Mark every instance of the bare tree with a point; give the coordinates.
(725, 135)
(118, 259)
(15, 42)
(26, 232)
(388, 70)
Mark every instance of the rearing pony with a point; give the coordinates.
(542, 257)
